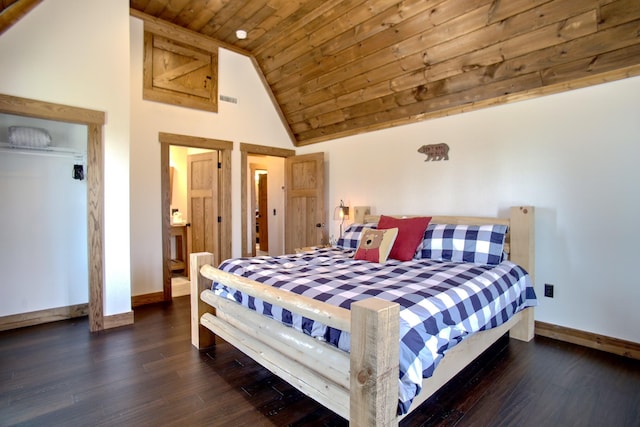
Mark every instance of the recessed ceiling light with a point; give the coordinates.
(241, 34)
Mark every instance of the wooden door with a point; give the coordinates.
(263, 212)
(304, 193)
(202, 198)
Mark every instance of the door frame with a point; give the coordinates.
(94, 120)
(224, 196)
(253, 167)
(245, 151)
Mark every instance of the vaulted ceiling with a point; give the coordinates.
(341, 67)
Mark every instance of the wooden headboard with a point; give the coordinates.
(519, 241)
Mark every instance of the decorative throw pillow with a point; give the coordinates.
(351, 236)
(480, 244)
(410, 235)
(375, 245)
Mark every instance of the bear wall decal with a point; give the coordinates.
(435, 152)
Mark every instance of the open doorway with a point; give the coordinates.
(266, 205)
(194, 205)
(263, 203)
(94, 121)
(202, 220)
(260, 205)
(303, 203)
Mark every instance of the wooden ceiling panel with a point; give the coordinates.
(338, 68)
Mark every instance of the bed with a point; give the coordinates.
(364, 384)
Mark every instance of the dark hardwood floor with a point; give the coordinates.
(148, 374)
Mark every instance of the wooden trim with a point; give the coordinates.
(95, 121)
(144, 299)
(15, 12)
(266, 150)
(224, 206)
(589, 339)
(183, 35)
(244, 221)
(21, 320)
(117, 320)
(165, 196)
(95, 224)
(194, 141)
(50, 111)
(245, 150)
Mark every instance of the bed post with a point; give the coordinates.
(201, 337)
(523, 253)
(374, 355)
(522, 240)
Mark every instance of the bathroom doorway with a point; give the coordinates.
(199, 218)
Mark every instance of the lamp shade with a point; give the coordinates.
(341, 212)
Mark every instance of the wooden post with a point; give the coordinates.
(524, 330)
(375, 352)
(523, 238)
(201, 337)
(523, 253)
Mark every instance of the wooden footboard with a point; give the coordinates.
(361, 386)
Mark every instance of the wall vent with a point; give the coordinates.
(230, 99)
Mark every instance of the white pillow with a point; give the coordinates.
(25, 136)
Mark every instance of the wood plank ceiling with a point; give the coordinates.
(338, 68)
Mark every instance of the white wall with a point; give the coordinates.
(76, 53)
(44, 219)
(573, 156)
(252, 120)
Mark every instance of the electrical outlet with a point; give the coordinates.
(548, 290)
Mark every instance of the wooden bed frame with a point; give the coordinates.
(361, 386)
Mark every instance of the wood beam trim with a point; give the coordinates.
(175, 32)
(14, 321)
(266, 151)
(50, 111)
(194, 141)
(589, 339)
(117, 320)
(15, 12)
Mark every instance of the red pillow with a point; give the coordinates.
(410, 234)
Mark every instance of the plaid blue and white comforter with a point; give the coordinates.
(441, 303)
